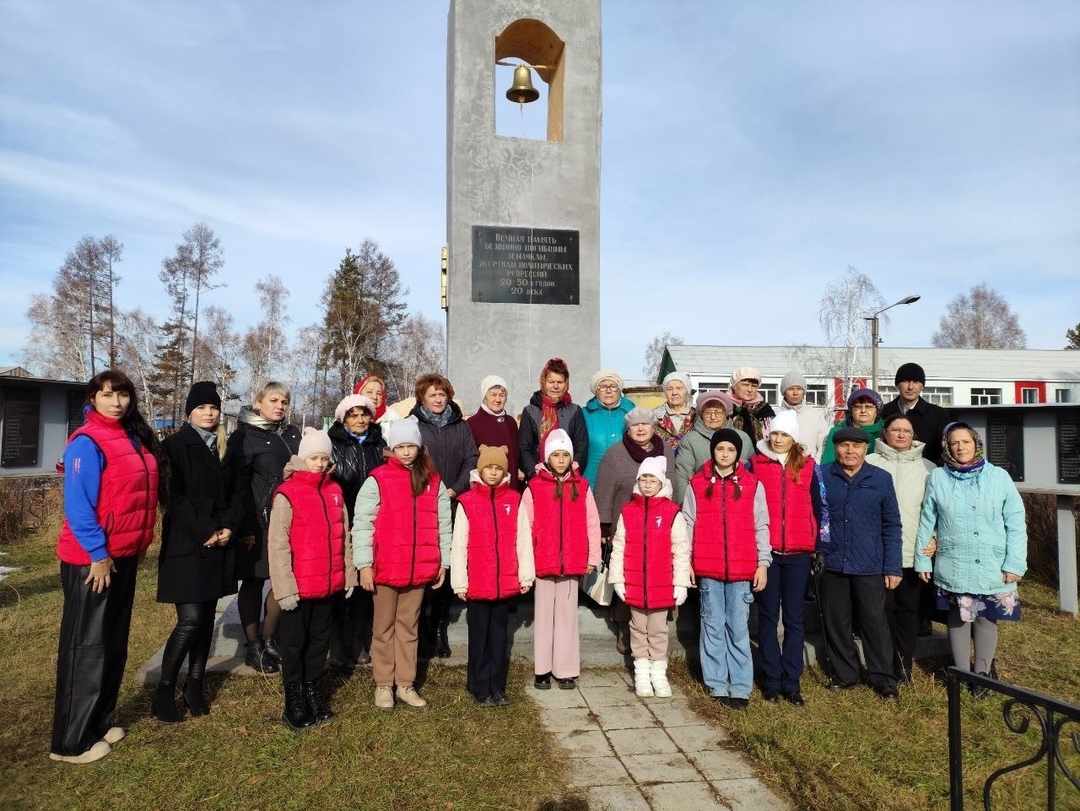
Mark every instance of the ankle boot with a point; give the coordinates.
(271, 648)
(622, 640)
(315, 704)
(642, 678)
(296, 715)
(164, 706)
(257, 660)
(442, 646)
(660, 684)
(194, 698)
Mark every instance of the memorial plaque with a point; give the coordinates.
(22, 421)
(1068, 446)
(524, 265)
(1004, 443)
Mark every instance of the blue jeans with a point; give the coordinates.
(725, 637)
(786, 587)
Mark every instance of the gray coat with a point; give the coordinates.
(694, 452)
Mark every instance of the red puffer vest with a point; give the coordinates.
(792, 526)
(317, 534)
(405, 544)
(648, 567)
(492, 548)
(560, 526)
(127, 498)
(724, 543)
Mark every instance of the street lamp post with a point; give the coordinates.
(875, 335)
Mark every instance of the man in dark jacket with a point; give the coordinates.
(862, 558)
(927, 420)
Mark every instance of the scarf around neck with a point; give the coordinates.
(950, 461)
(549, 412)
(438, 420)
(640, 454)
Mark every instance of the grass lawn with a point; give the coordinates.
(452, 756)
(853, 751)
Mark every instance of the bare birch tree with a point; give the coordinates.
(979, 319)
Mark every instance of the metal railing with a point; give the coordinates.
(1021, 709)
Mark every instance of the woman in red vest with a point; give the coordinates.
(110, 506)
(310, 565)
(490, 564)
(728, 520)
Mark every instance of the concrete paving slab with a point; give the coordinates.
(554, 698)
(616, 798)
(599, 771)
(641, 741)
(584, 743)
(568, 719)
(604, 678)
(672, 712)
(721, 765)
(749, 795)
(697, 796)
(700, 738)
(611, 697)
(623, 716)
(670, 768)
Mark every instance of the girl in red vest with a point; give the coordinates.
(490, 564)
(310, 566)
(401, 543)
(650, 569)
(559, 514)
(794, 491)
(728, 520)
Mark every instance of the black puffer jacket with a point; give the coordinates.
(353, 460)
(452, 447)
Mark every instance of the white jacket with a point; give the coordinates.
(909, 473)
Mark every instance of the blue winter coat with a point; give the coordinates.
(981, 531)
(606, 426)
(864, 522)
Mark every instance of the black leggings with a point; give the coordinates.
(190, 639)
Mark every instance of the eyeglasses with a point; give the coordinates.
(607, 387)
(901, 431)
(865, 405)
(714, 412)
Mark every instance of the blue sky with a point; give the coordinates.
(751, 152)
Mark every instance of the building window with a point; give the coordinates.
(1062, 396)
(817, 395)
(986, 396)
(1029, 396)
(710, 385)
(938, 395)
(771, 393)
(887, 393)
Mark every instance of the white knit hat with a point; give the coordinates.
(654, 466)
(489, 382)
(557, 440)
(601, 376)
(786, 422)
(404, 432)
(314, 441)
(745, 373)
(682, 377)
(351, 402)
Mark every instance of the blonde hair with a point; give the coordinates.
(272, 387)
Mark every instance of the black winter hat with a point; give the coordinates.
(725, 435)
(910, 371)
(202, 393)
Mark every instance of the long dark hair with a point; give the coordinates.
(133, 421)
(421, 472)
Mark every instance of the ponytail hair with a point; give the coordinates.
(421, 472)
(736, 487)
(559, 483)
(796, 461)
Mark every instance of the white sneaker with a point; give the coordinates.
(659, 679)
(95, 752)
(384, 697)
(114, 735)
(642, 681)
(408, 695)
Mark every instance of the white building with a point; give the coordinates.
(954, 377)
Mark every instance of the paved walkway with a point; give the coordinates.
(647, 754)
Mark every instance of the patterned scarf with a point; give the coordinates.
(438, 420)
(950, 460)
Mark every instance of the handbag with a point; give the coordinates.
(596, 585)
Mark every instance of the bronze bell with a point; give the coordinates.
(522, 90)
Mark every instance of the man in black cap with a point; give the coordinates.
(927, 420)
(862, 559)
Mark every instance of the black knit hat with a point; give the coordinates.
(202, 393)
(910, 371)
(725, 435)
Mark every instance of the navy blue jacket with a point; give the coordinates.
(864, 522)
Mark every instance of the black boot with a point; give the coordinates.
(339, 658)
(271, 649)
(194, 698)
(425, 648)
(315, 704)
(257, 660)
(164, 707)
(296, 714)
(442, 645)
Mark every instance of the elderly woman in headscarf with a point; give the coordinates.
(615, 487)
(493, 425)
(549, 408)
(863, 411)
(604, 415)
(978, 516)
(713, 409)
(675, 418)
(749, 412)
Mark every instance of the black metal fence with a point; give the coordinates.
(1058, 722)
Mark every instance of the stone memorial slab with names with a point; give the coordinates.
(22, 423)
(525, 265)
(1068, 447)
(1005, 443)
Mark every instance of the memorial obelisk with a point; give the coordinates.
(523, 215)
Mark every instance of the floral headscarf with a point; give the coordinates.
(950, 460)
